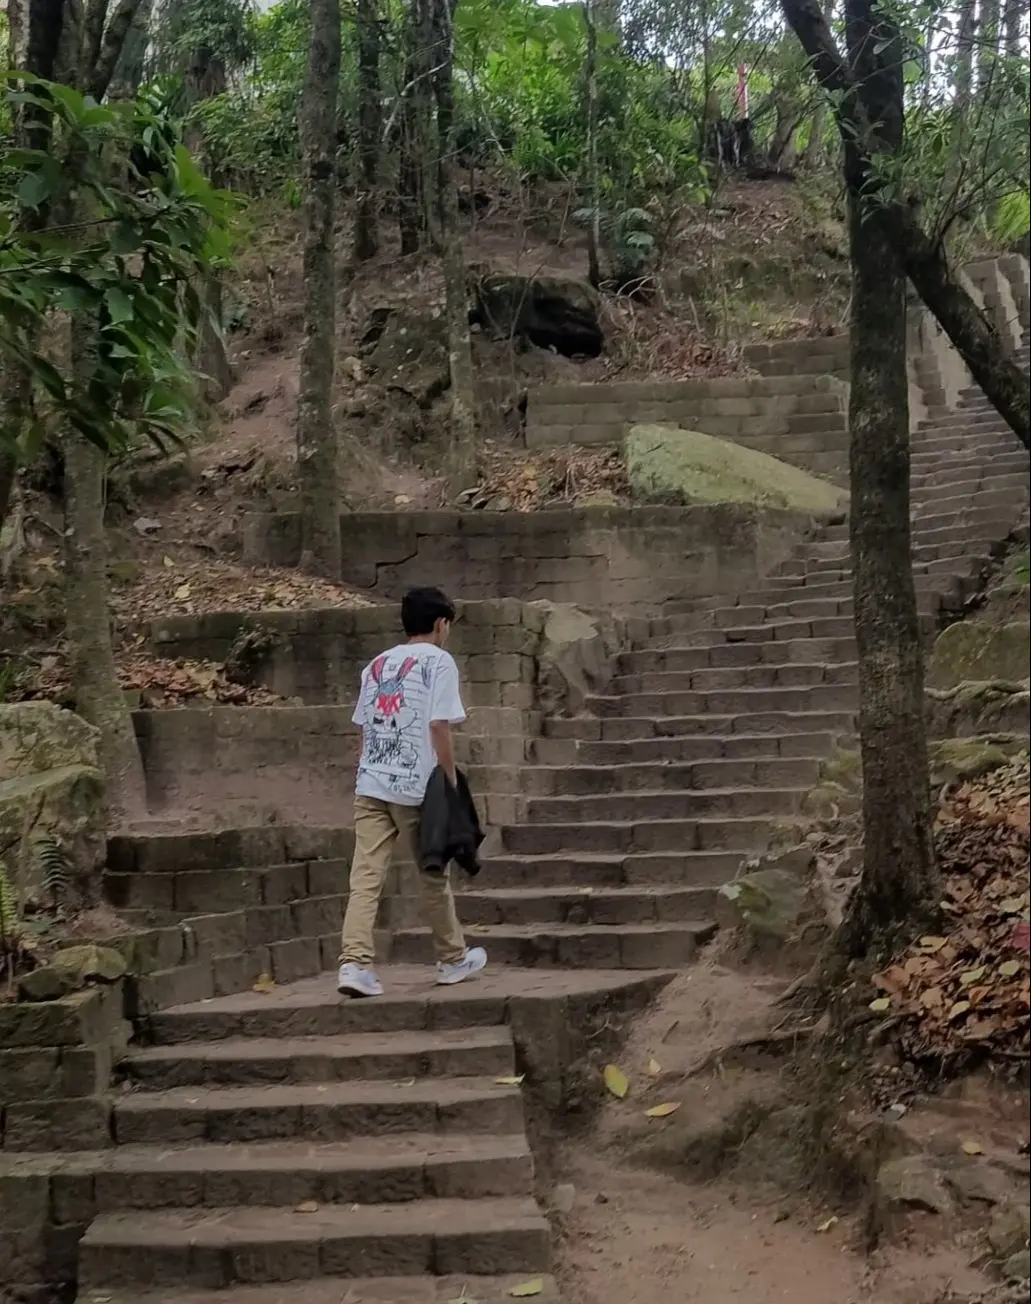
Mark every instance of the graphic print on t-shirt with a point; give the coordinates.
(403, 691)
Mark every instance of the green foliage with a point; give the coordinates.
(629, 240)
(55, 867)
(106, 216)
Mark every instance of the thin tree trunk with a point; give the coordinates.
(366, 233)
(988, 44)
(413, 191)
(462, 468)
(591, 159)
(8, 475)
(813, 155)
(1013, 14)
(98, 695)
(974, 336)
(899, 886)
(317, 453)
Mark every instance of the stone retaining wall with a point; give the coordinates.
(799, 418)
(630, 560)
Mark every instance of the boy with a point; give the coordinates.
(408, 701)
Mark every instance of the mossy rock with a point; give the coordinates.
(769, 904)
(91, 963)
(844, 768)
(972, 650)
(973, 709)
(668, 464)
(953, 760)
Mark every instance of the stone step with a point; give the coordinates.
(634, 728)
(334, 1111)
(362, 1290)
(686, 633)
(1004, 500)
(216, 1248)
(362, 1170)
(796, 674)
(587, 905)
(560, 753)
(666, 804)
(731, 701)
(699, 869)
(572, 946)
(628, 836)
(678, 659)
(697, 776)
(974, 519)
(252, 1061)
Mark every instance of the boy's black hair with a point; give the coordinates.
(422, 608)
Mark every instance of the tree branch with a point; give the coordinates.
(99, 76)
(975, 338)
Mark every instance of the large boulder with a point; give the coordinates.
(972, 651)
(672, 465)
(406, 353)
(573, 656)
(549, 311)
(52, 827)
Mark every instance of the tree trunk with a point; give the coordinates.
(415, 195)
(366, 233)
(462, 459)
(966, 32)
(98, 696)
(899, 886)
(782, 151)
(317, 454)
(8, 475)
(988, 44)
(975, 338)
(1013, 14)
(591, 156)
(813, 155)
(131, 64)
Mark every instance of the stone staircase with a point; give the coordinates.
(285, 1147)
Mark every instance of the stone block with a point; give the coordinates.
(57, 1125)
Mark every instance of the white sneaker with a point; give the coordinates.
(353, 980)
(471, 963)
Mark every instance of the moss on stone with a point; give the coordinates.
(668, 464)
(972, 650)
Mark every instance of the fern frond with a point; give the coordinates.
(9, 923)
(55, 867)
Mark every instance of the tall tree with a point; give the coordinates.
(814, 147)
(988, 33)
(88, 54)
(968, 326)
(899, 885)
(366, 231)
(462, 459)
(317, 449)
(591, 177)
(416, 198)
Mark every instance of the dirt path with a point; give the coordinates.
(636, 1237)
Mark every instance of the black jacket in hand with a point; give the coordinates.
(449, 827)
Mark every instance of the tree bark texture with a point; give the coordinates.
(366, 227)
(1014, 13)
(987, 44)
(462, 459)
(899, 885)
(98, 695)
(591, 160)
(416, 193)
(317, 453)
(974, 336)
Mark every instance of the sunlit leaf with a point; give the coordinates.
(616, 1081)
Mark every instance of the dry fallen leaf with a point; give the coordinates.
(663, 1110)
(513, 1081)
(264, 985)
(616, 1081)
(972, 1148)
(528, 1289)
(654, 1068)
(307, 1206)
(828, 1223)
(880, 1005)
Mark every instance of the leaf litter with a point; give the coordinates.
(967, 993)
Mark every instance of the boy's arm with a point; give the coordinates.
(443, 745)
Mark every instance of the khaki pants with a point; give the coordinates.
(378, 826)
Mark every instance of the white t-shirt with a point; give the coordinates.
(403, 692)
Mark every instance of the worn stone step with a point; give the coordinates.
(573, 780)
(727, 834)
(215, 1248)
(685, 633)
(731, 701)
(1003, 500)
(798, 674)
(573, 946)
(411, 1002)
(586, 905)
(332, 1111)
(665, 805)
(361, 1170)
(602, 871)
(794, 651)
(633, 728)
(363, 1290)
(934, 525)
(251, 1061)
(561, 753)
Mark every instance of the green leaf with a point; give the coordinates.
(34, 189)
(119, 306)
